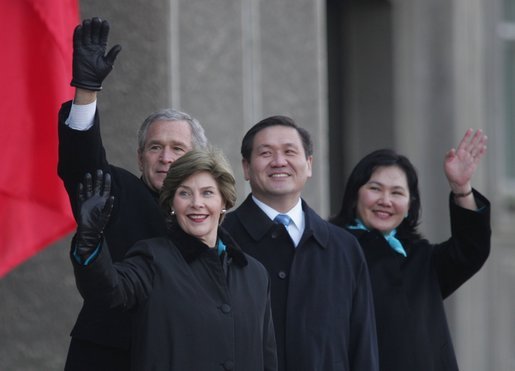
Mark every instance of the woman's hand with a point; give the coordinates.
(461, 164)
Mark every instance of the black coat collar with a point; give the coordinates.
(192, 248)
(375, 247)
(154, 194)
(258, 224)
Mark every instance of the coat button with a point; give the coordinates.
(228, 365)
(282, 275)
(225, 308)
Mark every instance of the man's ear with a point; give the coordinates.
(310, 165)
(140, 160)
(246, 168)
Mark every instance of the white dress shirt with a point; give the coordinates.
(81, 116)
(298, 222)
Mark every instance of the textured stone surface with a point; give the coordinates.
(229, 64)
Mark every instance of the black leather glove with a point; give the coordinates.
(90, 64)
(95, 206)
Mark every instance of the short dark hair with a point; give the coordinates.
(211, 160)
(361, 174)
(248, 140)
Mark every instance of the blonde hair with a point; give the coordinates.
(210, 160)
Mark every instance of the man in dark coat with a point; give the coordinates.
(100, 338)
(321, 297)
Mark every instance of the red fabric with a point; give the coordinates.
(35, 70)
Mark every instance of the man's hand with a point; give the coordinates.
(95, 206)
(90, 63)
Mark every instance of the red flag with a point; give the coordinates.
(35, 67)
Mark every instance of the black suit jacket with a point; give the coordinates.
(321, 297)
(136, 216)
(195, 310)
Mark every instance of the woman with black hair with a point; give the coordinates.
(410, 276)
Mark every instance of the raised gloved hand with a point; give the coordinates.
(95, 206)
(90, 64)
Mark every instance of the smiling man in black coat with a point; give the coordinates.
(321, 297)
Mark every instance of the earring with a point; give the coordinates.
(223, 211)
(172, 213)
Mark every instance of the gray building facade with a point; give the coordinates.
(359, 75)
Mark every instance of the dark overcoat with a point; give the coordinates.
(136, 216)
(194, 309)
(321, 296)
(412, 328)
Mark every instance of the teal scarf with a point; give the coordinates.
(220, 247)
(390, 237)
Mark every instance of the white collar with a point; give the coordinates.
(295, 213)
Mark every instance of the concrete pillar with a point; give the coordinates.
(229, 64)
